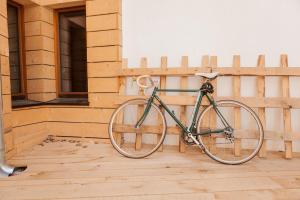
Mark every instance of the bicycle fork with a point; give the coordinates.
(145, 113)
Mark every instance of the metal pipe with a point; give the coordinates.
(5, 169)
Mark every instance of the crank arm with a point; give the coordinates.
(196, 142)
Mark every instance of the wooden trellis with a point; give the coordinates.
(209, 64)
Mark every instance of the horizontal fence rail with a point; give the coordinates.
(209, 64)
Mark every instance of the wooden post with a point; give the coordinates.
(237, 111)
(163, 79)
(286, 111)
(212, 115)
(205, 122)
(138, 139)
(261, 94)
(183, 85)
(122, 88)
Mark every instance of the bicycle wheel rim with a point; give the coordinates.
(153, 148)
(239, 159)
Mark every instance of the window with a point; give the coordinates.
(72, 53)
(16, 62)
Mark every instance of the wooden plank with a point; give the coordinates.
(254, 102)
(261, 94)
(6, 85)
(4, 63)
(29, 144)
(103, 7)
(162, 82)
(42, 96)
(4, 50)
(87, 129)
(104, 69)
(104, 54)
(150, 129)
(104, 38)
(3, 8)
(38, 13)
(103, 22)
(22, 117)
(39, 28)
(138, 138)
(39, 57)
(79, 114)
(41, 85)
(174, 71)
(7, 122)
(39, 42)
(122, 90)
(224, 71)
(205, 121)
(144, 129)
(99, 85)
(183, 109)
(40, 72)
(286, 111)
(213, 64)
(237, 111)
(28, 132)
(102, 100)
(57, 4)
(6, 103)
(3, 29)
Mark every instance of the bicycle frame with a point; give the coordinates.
(192, 125)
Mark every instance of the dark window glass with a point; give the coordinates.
(14, 49)
(73, 56)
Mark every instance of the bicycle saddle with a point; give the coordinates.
(212, 75)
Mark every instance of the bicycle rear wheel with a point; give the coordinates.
(137, 142)
(240, 141)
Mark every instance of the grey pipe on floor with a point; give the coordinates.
(5, 170)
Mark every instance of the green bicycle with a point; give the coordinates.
(228, 131)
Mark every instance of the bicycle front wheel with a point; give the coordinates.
(138, 142)
(231, 132)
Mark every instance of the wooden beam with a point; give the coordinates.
(183, 85)
(286, 111)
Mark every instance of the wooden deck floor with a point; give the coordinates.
(67, 169)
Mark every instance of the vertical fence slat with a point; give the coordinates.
(122, 87)
(213, 64)
(205, 122)
(183, 85)
(138, 139)
(205, 61)
(261, 94)
(286, 111)
(162, 82)
(237, 111)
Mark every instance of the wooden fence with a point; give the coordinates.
(209, 63)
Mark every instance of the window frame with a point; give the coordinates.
(21, 40)
(59, 92)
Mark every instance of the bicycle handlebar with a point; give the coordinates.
(142, 85)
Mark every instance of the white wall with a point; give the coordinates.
(173, 28)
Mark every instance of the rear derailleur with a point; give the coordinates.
(228, 133)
